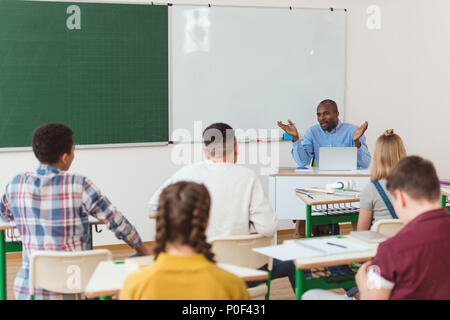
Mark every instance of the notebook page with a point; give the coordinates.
(324, 245)
(288, 251)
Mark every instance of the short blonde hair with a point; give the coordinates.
(389, 150)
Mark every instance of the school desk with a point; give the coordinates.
(331, 281)
(282, 187)
(108, 277)
(445, 195)
(6, 247)
(328, 209)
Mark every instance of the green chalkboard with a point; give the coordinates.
(102, 69)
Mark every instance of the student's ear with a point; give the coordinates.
(400, 199)
(206, 223)
(236, 151)
(205, 152)
(65, 160)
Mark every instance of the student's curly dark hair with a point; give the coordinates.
(183, 210)
(52, 140)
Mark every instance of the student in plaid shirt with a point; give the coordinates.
(50, 207)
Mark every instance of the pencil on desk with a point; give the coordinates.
(304, 192)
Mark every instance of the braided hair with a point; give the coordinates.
(183, 210)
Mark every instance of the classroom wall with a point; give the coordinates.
(397, 77)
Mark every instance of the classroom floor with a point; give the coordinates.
(280, 288)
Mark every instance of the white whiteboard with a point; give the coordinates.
(250, 67)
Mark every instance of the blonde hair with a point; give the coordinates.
(389, 150)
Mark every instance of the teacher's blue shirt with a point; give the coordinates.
(341, 136)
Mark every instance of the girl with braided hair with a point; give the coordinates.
(184, 267)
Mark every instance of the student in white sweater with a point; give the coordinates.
(238, 201)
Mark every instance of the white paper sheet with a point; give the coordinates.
(288, 251)
(324, 245)
(310, 248)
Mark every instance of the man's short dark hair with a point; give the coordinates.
(331, 103)
(52, 140)
(219, 139)
(417, 177)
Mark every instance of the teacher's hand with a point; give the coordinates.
(289, 129)
(359, 132)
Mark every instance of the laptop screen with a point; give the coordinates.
(338, 158)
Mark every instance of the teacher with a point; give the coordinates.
(330, 132)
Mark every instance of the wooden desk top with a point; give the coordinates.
(445, 190)
(108, 277)
(4, 225)
(322, 198)
(315, 172)
(339, 259)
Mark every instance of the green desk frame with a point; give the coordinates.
(326, 283)
(7, 247)
(444, 202)
(327, 219)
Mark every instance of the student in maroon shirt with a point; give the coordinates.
(415, 263)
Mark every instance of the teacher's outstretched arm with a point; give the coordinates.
(364, 156)
(302, 154)
(359, 133)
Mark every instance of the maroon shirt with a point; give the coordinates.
(417, 258)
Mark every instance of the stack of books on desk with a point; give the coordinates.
(445, 186)
(304, 192)
(346, 193)
(369, 236)
(337, 192)
(313, 190)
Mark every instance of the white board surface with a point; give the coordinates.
(250, 67)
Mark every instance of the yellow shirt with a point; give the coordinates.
(183, 278)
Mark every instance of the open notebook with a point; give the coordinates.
(310, 248)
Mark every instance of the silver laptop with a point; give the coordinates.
(337, 158)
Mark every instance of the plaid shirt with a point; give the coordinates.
(50, 209)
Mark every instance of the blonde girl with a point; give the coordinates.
(375, 199)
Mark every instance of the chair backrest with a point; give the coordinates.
(388, 227)
(237, 250)
(64, 272)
